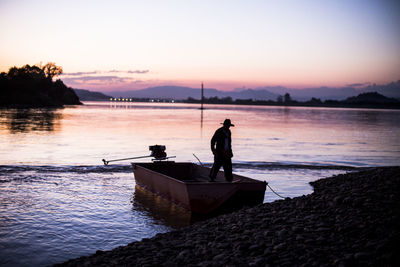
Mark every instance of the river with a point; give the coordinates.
(58, 201)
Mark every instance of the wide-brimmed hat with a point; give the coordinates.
(228, 123)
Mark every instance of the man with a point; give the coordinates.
(222, 150)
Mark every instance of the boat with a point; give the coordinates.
(188, 185)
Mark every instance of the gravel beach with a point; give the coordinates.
(351, 219)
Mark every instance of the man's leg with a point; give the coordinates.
(227, 164)
(215, 168)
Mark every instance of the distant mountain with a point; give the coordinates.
(260, 93)
(371, 98)
(179, 92)
(322, 93)
(391, 89)
(86, 95)
(336, 93)
(253, 94)
(171, 92)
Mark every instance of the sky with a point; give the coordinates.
(121, 45)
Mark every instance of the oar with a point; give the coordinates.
(107, 161)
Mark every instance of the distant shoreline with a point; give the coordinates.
(315, 106)
(155, 101)
(16, 106)
(364, 100)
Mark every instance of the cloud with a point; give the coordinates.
(358, 84)
(103, 79)
(100, 80)
(99, 75)
(138, 71)
(129, 71)
(80, 73)
(107, 71)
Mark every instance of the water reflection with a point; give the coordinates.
(201, 122)
(29, 120)
(262, 133)
(121, 105)
(160, 210)
(164, 212)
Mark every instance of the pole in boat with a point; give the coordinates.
(157, 152)
(202, 95)
(107, 161)
(198, 160)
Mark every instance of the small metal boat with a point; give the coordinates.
(188, 185)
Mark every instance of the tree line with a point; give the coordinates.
(34, 72)
(33, 86)
(368, 100)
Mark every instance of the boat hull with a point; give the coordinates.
(187, 185)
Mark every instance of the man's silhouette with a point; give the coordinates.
(222, 150)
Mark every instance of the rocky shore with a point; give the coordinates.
(350, 220)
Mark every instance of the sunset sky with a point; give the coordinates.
(121, 45)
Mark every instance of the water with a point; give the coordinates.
(57, 200)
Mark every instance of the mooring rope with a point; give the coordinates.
(273, 191)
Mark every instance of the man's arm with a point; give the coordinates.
(213, 141)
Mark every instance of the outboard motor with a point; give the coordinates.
(158, 152)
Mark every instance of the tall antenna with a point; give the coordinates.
(202, 95)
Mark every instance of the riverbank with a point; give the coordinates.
(350, 220)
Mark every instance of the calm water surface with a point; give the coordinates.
(57, 200)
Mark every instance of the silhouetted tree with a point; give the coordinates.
(279, 99)
(191, 100)
(288, 99)
(315, 101)
(51, 70)
(227, 99)
(213, 100)
(3, 76)
(26, 72)
(32, 86)
(244, 101)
